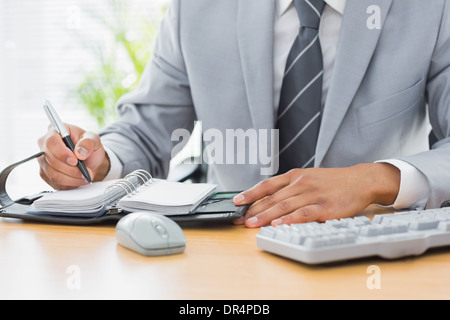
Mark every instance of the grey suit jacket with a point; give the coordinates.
(213, 62)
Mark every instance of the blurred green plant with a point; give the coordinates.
(119, 67)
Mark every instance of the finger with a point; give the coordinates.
(238, 221)
(68, 167)
(88, 144)
(280, 209)
(305, 214)
(54, 145)
(57, 179)
(59, 165)
(277, 200)
(261, 190)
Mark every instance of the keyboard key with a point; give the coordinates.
(267, 232)
(314, 242)
(444, 226)
(282, 235)
(341, 238)
(388, 229)
(371, 231)
(401, 227)
(423, 224)
(296, 238)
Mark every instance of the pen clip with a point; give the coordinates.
(54, 119)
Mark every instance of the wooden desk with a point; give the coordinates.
(220, 262)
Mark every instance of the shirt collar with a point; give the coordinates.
(338, 5)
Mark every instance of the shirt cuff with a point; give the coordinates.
(115, 171)
(414, 188)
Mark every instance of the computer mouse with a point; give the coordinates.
(150, 234)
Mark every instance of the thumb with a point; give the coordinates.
(88, 144)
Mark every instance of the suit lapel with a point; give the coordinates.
(357, 44)
(255, 38)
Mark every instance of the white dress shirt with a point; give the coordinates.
(414, 188)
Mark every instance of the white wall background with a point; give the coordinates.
(40, 58)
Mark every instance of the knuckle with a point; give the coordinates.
(304, 214)
(298, 182)
(264, 217)
(305, 179)
(54, 177)
(269, 200)
(265, 184)
(328, 212)
(294, 172)
(284, 205)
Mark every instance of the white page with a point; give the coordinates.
(171, 194)
(84, 193)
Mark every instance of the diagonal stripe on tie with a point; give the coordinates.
(300, 101)
(300, 55)
(300, 132)
(297, 96)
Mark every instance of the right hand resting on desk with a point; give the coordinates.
(58, 167)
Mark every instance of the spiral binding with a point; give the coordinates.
(131, 183)
(142, 175)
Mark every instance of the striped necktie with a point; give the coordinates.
(301, 92)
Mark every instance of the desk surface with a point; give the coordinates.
(220, 262)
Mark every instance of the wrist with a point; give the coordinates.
(383, 181)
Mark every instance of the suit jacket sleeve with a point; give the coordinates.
(435, 164)
(141, 139)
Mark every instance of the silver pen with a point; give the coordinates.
(61, 129)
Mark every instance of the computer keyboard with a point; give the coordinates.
(388, 236)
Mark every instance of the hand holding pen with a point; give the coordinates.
(66, 164)
(61, 129)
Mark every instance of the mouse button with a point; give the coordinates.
(144, 233)
(160, 229)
